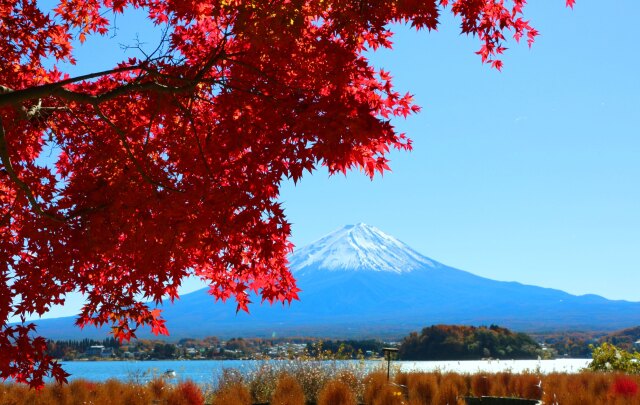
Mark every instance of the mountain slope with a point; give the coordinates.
(358, 248)
(359, 281)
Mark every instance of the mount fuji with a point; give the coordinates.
(357, 248)
(360, 282)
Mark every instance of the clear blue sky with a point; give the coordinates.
(528, 175)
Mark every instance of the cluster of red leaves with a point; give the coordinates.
(170, 166)
(624, 387)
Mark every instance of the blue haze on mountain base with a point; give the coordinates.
(360, 282)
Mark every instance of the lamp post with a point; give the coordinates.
(388, 351)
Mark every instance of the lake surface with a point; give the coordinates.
(208, 371)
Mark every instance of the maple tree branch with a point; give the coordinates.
(148, 135)
(6, 218)
(164, 39)
(31, 112)
(8, 167)
(123, 138)
(9, 96)
(195, 134)
(33, 202)
(116, 92)
(259, 72)
(94, 100)
(38, 111)
(217, 54)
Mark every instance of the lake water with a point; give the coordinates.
(208, 371)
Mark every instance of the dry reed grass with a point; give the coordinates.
(480, 385)
(311, 374)
(288, 391)
(336, 392)
(591, 388)
(526, 385)
(354, 381)
(447, 393)
(232, 394)
(421, 388)
(340, 387)
(373, 384)
(111, 392)
(389, 395)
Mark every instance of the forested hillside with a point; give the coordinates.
(453, 342)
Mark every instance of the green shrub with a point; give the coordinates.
(609, 358)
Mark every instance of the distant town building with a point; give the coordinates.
(99, 351)
(95, 350)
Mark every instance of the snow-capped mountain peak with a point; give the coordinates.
(358, 247)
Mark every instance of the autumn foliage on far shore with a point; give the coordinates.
(120, 183)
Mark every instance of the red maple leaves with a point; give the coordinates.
(169, 164)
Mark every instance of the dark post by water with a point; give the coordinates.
(388, 352)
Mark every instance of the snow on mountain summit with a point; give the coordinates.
(358, 247)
